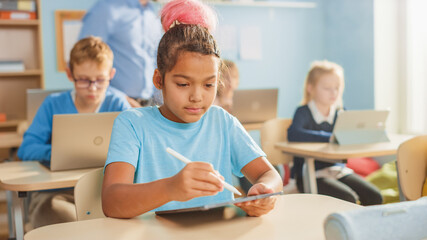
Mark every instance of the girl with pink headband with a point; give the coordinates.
(140, 176)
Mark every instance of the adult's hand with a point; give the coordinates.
(133, 103)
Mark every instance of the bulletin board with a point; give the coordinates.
(67, 28)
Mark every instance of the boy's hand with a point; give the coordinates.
(258, 207)
(196, 179)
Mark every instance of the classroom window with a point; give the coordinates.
(416, 46)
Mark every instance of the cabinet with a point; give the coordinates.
(20, 40)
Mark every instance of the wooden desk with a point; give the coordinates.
(296, 216)
(10, 139)
(329, 152)
(253, 126)
(18, 178)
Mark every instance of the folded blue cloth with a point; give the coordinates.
(404, 220)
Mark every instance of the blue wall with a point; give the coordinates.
(349, 41)
(52, 78)
(340, 31)
(292, 38)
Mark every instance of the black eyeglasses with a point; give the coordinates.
(86, 83)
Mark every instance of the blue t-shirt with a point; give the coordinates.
(38, 138)
(140, 137)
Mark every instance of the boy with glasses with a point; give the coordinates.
(132, 29)
(90, 68)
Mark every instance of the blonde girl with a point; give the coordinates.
(314, 122)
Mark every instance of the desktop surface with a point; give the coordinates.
(332, 151)
(32, 176)
(296, 216)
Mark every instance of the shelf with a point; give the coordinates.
(11, 123)
(20, 40)
(35, 72)
(19, 22)
(252, 126)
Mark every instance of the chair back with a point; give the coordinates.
(87, 195)
(273, 131)
(412, 166)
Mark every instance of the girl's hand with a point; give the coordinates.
(258, 207)
(196, 179)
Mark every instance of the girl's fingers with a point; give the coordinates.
(204, 172)
(200, 179)
(206, 186)
(201, 166)
(260, 203)
(257, 209)
(207, 176)
(193, 193)
(219, 175)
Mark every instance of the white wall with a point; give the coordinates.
(401, 62)
(388, 61)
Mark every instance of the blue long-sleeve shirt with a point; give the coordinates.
(305, 129)
(133, 32)
(38, 138)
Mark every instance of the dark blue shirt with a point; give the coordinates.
(305, 129)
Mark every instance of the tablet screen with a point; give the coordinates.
(216, 205)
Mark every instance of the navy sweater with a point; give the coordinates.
(305, 129)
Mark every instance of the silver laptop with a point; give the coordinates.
(80, 140)
(360, 127)
(35, 98)
(255, 105)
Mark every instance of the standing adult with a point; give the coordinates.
(132, 30)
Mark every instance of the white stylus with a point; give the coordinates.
(186, 161)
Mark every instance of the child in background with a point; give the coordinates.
(90, 70)
(140, 176)
(229, 76)
(314, 122)
(230, 81)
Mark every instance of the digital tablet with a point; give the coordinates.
(216, 205)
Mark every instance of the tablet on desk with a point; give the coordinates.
(217, 205)
(360, 127)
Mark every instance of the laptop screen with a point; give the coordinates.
(255, 105)
(360, 127)
(81, 140)
(35, 98)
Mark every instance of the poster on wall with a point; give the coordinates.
(67, 28)
(250, 43)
